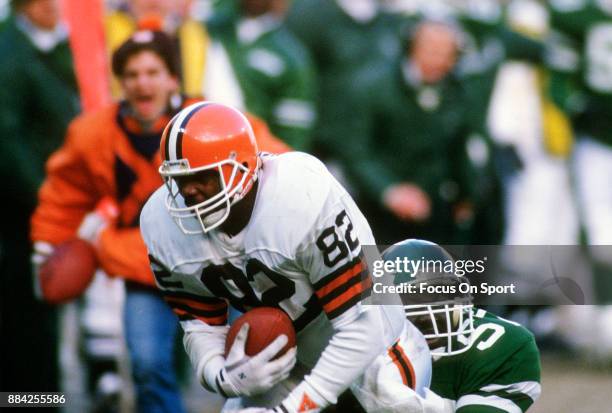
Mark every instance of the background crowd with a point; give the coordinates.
(458, 121)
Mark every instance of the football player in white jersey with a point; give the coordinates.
(231, 226)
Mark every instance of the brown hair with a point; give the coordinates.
(146, 40)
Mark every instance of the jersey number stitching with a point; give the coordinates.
(329, 242)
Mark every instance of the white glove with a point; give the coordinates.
(91, 226)
(94, 222)
(243, 375)
(41, 252)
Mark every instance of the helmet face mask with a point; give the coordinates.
(208, 137)
(444, 318)
(211, 212)
(440, 324)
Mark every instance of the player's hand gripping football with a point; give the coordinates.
(243, 375)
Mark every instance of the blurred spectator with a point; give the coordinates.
(582, 68)
(38, 98)
(342, 36)
(5, 11)
(257, 64)
(522, 116)
(113, 153)
(584, 71)
(489, 42)
(404, 147)
(171, 16)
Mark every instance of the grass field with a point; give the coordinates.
(569, 386)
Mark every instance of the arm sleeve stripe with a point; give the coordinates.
(197, 311)
(403, 364)
(531, 388)
(213, 321)
(522, 400)
(331, 277)
(355, 279)
(470, 402)
(340, 279)
(194, 297)
(196, 305)
(348, 299)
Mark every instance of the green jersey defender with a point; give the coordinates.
(482, 362)
(499, 372)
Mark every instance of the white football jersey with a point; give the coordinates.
(301, 251)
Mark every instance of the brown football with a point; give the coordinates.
(266, 323)
(68, 271)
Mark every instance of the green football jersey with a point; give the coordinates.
(499, 373)
(274, 73)
(584, 33)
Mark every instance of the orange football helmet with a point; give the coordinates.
(208, 136)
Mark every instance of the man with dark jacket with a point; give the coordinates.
(403, 145)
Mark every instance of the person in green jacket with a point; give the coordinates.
(39, 93)
(38, 98)
(489, 42)
(401, 137)
(343, 37)
(583, 80)
(257, 64)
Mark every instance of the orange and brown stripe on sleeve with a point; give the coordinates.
(212, 311)
(403, 364)
(343, 288)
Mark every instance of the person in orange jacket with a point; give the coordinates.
(113, 154)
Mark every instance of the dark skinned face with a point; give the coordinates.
(201, 186)
(198, 187)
